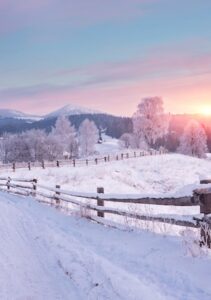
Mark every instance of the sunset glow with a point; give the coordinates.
(206, 111)
(105, 55)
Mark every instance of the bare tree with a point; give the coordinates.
(194, 140)
(150, 123)
(88, 137)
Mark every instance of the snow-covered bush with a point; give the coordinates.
(150, 123)
(88, 137)
(194, 140)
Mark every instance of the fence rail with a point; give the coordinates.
(78, 162)
(96, 202)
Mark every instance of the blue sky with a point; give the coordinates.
(105, 55)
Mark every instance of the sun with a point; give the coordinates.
(206, 110)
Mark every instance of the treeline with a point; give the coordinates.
(63, 140)
(153, 128)
(115, 126)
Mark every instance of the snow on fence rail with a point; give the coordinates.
(58, 197)
(78, 162)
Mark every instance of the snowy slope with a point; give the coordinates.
(9, 113)
(110, 145)
(69, 110)
(171, 174)
(47, 255)
(150, 176)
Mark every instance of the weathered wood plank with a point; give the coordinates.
(205, 181)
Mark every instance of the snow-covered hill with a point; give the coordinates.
(168, 174)
(14, 114)
(67, 110)
(71, 109)
(47, 255)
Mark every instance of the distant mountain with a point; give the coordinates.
(14, 114)
(71, 110)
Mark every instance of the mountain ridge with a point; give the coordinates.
(70, 110)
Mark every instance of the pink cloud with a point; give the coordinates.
(179, 94)
(183, 80)
(157, 63)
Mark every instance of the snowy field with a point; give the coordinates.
(168, 174)
(47, 255)
(109, 146)
(156, 176)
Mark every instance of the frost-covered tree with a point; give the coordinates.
(66, 135)
(126, 140)
(5, 147)
(36, 141)
(150, 123)
(194, 140)
(15, 148)
(54, 147)
(88, 137)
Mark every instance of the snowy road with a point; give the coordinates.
(46, 255)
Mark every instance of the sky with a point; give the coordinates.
(105, 55)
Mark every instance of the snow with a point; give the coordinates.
(150, 176)
(110, 145)
(69, 110)
(9, 113)
(169, 174)
(48, 255)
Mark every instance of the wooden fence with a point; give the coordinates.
(96, 202)
(78, 162)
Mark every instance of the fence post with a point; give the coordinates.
(117, 157)
(57, 196)
(8, 183)
(73, 162)
(204, 196)
(122, 156)
(100, 190)
(34, 187)
(96, 161)
(13, 167)
(43, 164)
(57, 164)
(87, 162)
(105, 159)
(29, 165)
(134, 154)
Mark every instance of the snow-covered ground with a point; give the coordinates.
(47, 255)
(168, 174)
(165, 175)
(109, 146)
